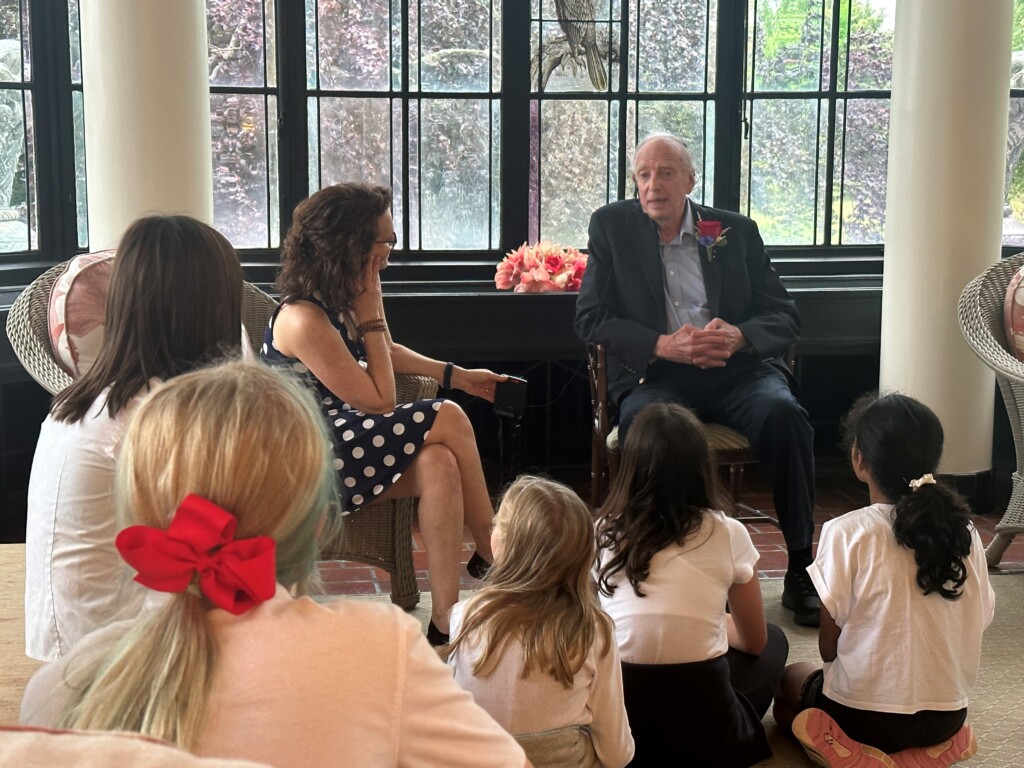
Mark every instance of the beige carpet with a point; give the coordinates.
(997, 701)
(997, 705)
(15, 666)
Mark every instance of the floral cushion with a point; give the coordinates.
(1013, 315)
(78, 301)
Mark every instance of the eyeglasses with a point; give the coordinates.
(391, 243)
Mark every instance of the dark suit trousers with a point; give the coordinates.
(752, 397)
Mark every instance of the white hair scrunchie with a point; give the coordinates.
(922, 480)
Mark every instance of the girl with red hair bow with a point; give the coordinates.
(227, 658)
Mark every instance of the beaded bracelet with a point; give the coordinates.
(377, 325)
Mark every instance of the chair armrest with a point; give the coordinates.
(409, 388)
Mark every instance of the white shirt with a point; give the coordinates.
(681, 618)
(900, 650)
(540, 703)
(71, 565)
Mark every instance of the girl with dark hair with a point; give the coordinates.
(174, 302)
(331, 328)
(670, 563)
(905, 597)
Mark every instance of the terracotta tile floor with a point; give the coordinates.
(837, 492)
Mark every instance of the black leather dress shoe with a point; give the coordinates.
(800, 596)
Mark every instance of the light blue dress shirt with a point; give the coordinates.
(686, 300)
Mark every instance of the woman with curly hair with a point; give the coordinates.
(331, 328)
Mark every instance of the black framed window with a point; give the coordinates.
(1013, 202)
(816, 120)
(19, 172)
(244, 121)
(603, 74)
(408, 95)
(497, 122)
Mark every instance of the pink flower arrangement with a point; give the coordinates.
(541, 268)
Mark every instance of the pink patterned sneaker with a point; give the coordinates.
(960, 747)
(826, 744)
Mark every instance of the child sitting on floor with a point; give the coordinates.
(905, 597)
(227, 658)
(670, 564)
(533, 646)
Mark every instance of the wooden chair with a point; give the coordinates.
(379, 535)
(980, 311)
(728, 447)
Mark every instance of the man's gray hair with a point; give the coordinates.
(685, 155)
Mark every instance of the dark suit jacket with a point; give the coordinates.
(622, 300)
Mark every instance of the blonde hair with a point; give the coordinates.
(251, 440)
(540, 590)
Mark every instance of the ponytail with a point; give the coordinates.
(155, 680)
(934, 522)
(900, 439)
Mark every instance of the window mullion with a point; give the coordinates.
(729, 102)
(293, 139)
(55, 164)
(515, 123)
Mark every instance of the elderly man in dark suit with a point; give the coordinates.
(690, 310)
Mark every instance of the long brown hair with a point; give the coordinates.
(174, 302)
(329, 241)
(540, 591)
(219, 433)
(666, 481)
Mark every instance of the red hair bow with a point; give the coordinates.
(234, 575)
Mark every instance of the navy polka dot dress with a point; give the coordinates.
(371, 450)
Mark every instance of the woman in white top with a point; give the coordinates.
(174, 301)
(231, 664)
(905, 597)
(533, 646)
(670, 564)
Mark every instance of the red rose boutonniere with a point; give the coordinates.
(711, 235)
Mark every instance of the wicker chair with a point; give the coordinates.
(728, 447)
(28, 327)
(379, 535)
(981, 321)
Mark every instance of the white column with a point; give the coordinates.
(943, 221)
(147, 112)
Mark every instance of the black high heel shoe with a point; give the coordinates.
(477, 567)
(435, 636)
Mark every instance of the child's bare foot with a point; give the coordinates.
(826, 744)
(960, 747)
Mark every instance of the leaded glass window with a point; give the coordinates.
(408, 95)
(18, 196)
